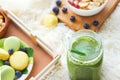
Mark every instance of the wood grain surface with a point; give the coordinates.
(80, 20)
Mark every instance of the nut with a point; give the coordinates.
(83, 4)
(1, 17)
(100, 1)
(1, 21)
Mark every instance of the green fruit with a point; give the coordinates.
(4, 55)
(22, 44)
(7, 72)
(1, 62)
(12, 42)
(2, 43)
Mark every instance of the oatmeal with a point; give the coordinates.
(86, 4)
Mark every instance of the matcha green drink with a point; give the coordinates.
(84, 57)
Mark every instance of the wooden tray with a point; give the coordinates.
(44, 57)
(80, 20)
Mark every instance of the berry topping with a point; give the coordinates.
(58, 2)
(76, 6)
(56, 10)
(72, 18)
(23, 49)
(18, 74)
(64, 9)
(71, 2)
(86, 26)
(6, 63)
(95, 23)
(86, 4)
(10, 51)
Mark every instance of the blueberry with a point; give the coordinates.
(55, 10)
(86, 26)
(58, 2)
(18, 74)
(95, 23)
(23, 49)
(6, 63)
(10, 51)
(72, 18)
(64, 9)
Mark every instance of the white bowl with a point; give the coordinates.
(90, 12)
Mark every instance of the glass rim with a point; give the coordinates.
(85, 32)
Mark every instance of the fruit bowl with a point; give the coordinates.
(86, 8)
(4, 21)
(15, 59)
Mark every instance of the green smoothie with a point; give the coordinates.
(84, 59)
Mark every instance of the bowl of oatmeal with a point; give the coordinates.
(86, 7)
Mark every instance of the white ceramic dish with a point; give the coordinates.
(91, 12)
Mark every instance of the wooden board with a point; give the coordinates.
(41, 57)
(80, 20)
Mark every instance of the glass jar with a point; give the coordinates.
(84, 56)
